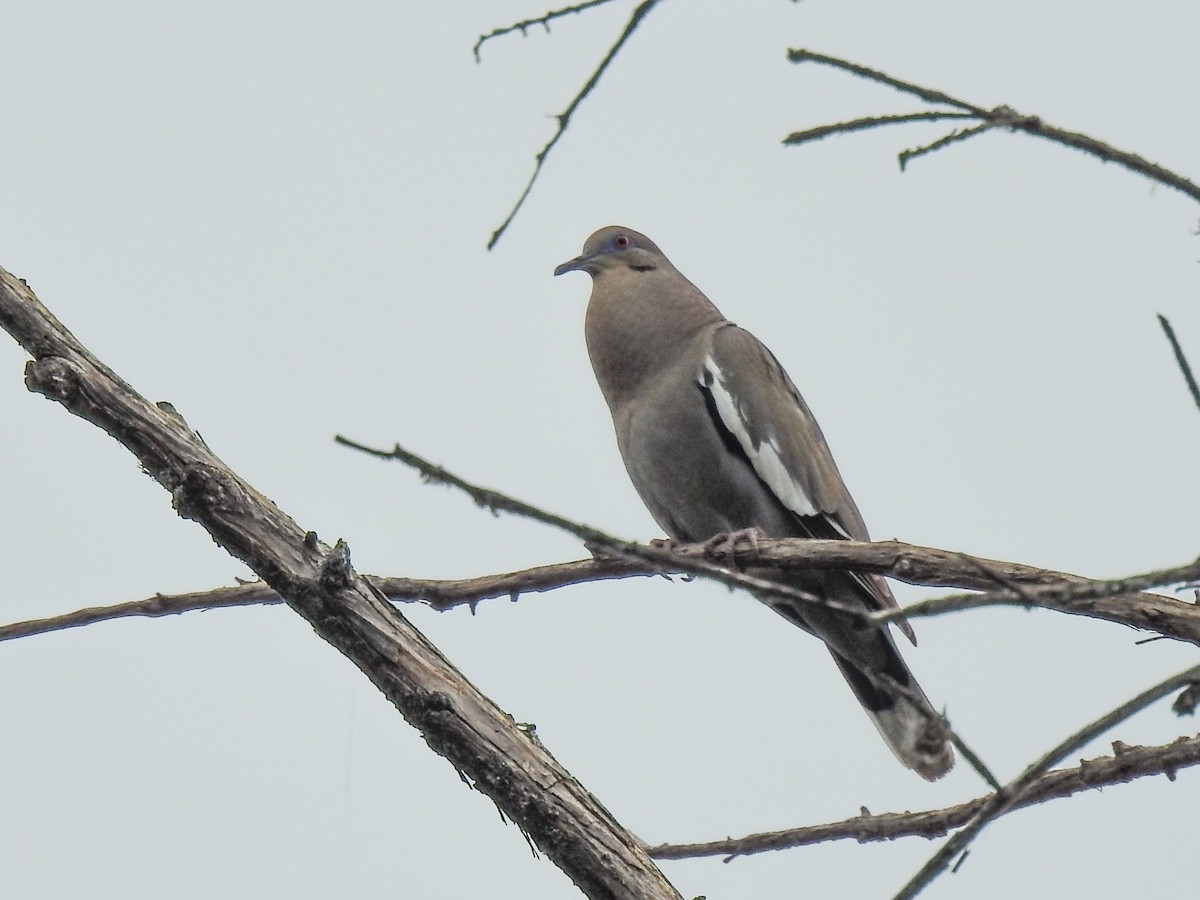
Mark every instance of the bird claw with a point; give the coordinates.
(670, 545)
(725, 545)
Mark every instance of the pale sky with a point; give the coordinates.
(274, 216)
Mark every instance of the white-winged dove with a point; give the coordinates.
(717, 440)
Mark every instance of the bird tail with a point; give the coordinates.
(875, 671)
(900, 710)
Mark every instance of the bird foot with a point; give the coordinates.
(725, 545)
(671, 545)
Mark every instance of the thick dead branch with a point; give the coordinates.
(997, 117)
(1125, 765)
(479, 740)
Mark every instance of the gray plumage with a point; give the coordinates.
(717, 439)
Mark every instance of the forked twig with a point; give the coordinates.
(1126, 764)
(996, 805)
(997, 117)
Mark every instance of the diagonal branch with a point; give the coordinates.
(954, 137)
(664, 559)
(564, 118)
(1019, 585)
(1000, 116)
(1181, 360)
(998, 803)
(1125, 765)
(929, 95)
(482, 743)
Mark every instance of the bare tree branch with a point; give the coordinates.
(1113, 601)
(347, 611)
(666, 559)
(996, 805)
(929, 95)
(1120, 600)
(1000, 116)
(1125, 765)
(564, 118)
(496, 502)
(823, 131)
(905, 156)
(1021, 585)
(525, 24)
(484, 745)
(1181, 360)
(510, 766)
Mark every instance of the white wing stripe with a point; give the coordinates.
(765, 457)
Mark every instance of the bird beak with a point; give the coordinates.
(572, 265)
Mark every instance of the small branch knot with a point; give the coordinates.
(53, 377)
(1008, 117)
(202, 493)
(336, 571)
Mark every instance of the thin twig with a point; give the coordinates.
(974, 761)
(1000, 116)
(922, 565)
(661, 556)
(824, 131)
(1058, 596)
(954, 137)
(997, 576)
(524, 25)
(995, 805)
(1035, 126)
(929, 95)
(1181, 359)
(564, 118)
(253, 594)
(1126, 764)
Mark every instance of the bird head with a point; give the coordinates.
(614, 246)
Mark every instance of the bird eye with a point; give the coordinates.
(621, 240)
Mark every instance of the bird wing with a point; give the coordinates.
(755, 402)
